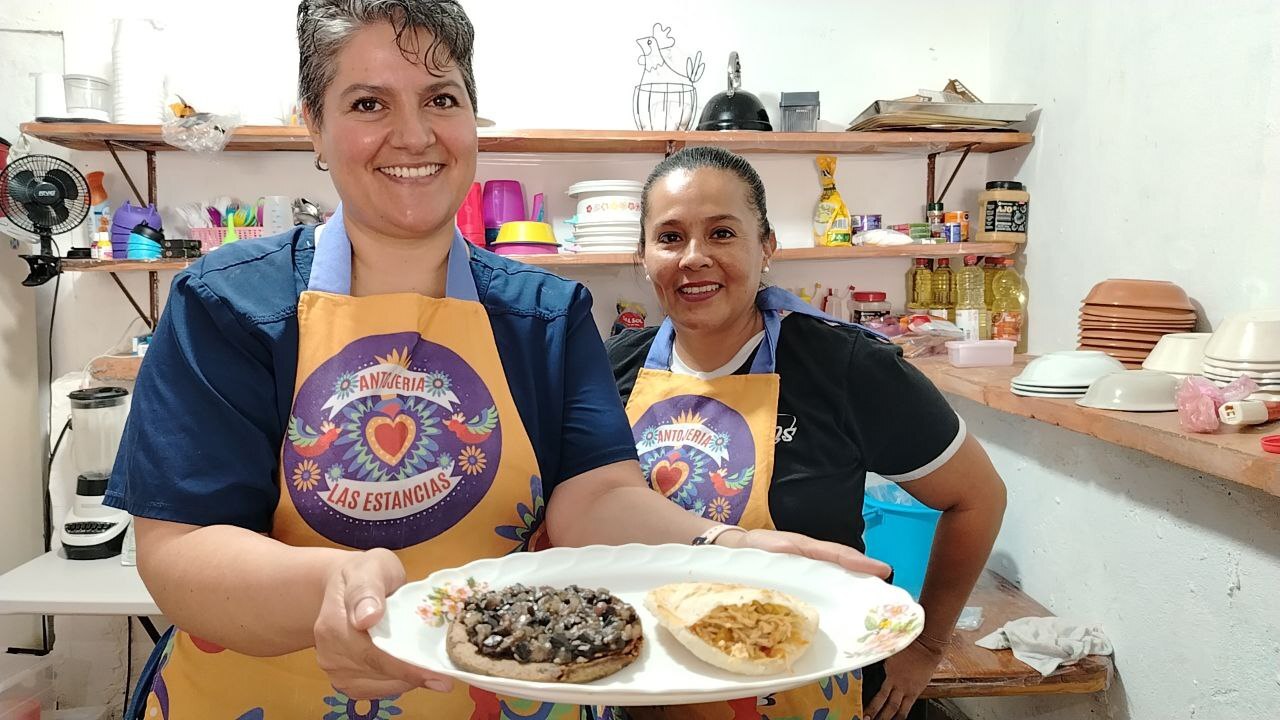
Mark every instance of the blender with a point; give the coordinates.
(91, 530)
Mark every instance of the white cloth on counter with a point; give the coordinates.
(1045, 643)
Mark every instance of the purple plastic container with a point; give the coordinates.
(125, 219)
(503, 202)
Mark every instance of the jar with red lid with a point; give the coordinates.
(868, 306)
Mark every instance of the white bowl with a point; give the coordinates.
(1132, 391)
(1050, 395)
(1047, 388)
(1068, 368)
(607, 200)
(1178, 353)
(1228, 372)
(1229, 365)
(1248, 337)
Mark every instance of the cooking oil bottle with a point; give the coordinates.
(989, 267)
(920, 287)
(1007, 313)
(944, 296)
(971, 308)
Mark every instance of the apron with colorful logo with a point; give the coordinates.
(403, 435)
(707, 445)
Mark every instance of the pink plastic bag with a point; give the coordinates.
(1199, 398)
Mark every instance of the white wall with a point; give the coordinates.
(1156, 156)
(562, 64)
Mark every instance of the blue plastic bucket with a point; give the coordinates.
(899, 531)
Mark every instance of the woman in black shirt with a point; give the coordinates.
(761, 421)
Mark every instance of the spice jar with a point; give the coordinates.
(868, 306)
(935, 216)
(1002, 212)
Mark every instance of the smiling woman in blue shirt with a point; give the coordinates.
(325, 413)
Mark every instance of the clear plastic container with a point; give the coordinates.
(87, 96)
(980, 353)
(870, 306)
(26, 686)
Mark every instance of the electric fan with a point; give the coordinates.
(43, 195)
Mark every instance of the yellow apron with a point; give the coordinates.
(403, 435)
(708, 446)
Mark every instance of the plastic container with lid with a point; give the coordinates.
(1003, 209)
(980, 353)
(607, 200)
(868, 306)
(88, 97)
(935, 216)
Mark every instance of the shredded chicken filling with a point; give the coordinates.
(753, 631)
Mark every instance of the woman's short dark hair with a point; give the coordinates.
(693, 158)
(325, 26)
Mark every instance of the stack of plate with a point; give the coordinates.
(1247, 345)
(1126, 318)
(608, 216)
(1064, 374)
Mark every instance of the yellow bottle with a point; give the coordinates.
(1007, 314)
(944, 293)
(920, 287)
(971, 308)
(989, 267)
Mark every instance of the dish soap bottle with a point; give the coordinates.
(1007, 313)
(944, 304)
(971, 309)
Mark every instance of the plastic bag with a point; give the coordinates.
(631, 316)
(201, 132)
(926, 335)
(831, 225)
(1199, 398)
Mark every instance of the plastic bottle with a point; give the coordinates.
(944, 303)
(989, 267)
(971, 309)
(1007, 314)
(919, 287)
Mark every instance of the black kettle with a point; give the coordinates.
(734, 109)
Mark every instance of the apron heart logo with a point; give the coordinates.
(390, 438)
(667, 477)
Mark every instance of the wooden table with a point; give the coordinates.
(971, 671)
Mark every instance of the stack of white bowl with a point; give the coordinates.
(1064, 374)
(608, 216)
(139, 73)
(1248, 345)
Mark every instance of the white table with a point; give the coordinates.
(53, 585)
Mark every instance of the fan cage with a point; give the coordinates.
(39, 166)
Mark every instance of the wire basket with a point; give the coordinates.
(665, 106)
(211, 238)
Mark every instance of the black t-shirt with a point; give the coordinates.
(848, 404)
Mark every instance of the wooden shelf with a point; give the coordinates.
(971, 671)
(251, 138)
(123, 265)
(616, 259)
(1233, 455)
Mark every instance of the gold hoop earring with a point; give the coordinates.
(320, 165)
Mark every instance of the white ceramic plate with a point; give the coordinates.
(1049, 388)
(862, 619)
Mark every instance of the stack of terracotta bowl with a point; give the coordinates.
(1126, 318)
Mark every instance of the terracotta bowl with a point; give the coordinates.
(1127, 355)
(1133, 327)
(1136, 313)
(1140, 335)
(1088, 339)
(1140, 293)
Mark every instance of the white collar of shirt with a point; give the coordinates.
(679, 367)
